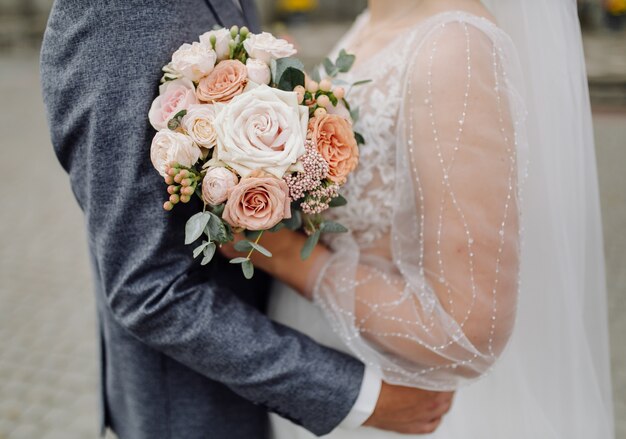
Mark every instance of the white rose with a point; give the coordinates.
(265, 46)
(216, 184)
(198, 123)
(264, 128)
(194, 60)
(258, 71)
(172, 147)
(222, 39)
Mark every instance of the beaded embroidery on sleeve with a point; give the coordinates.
(425, 286)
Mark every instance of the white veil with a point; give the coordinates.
(562, 327)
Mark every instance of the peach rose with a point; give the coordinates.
(335, 141)
(257, 203)
(227, 80)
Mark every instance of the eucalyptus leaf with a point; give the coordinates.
(219, 209)
(363, 82)
(295, 222)
(333, 227)
(195, 226)
(248, 269)
(281, 65)
(330, 67)
(209, 252)
(309, 245)
(200, 249)
(238, 260)
(360, 140)
(355, 114)
(338, 201)
(290, 79)
(217, 230)
(277, 227)
(315, 75)
(261, 249)
(243, 246)
(345, 61)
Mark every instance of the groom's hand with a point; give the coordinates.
(409, 411)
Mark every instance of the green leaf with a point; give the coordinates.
(315, 75)
(195, 226)
(243, 246)
(332, 227)
(277, 227)
(209, 252)
(200, 249)
(330, 67)
(238, 260)
(309, 245)
(338, 201)
(217, 230)
(248, 269)
(261, 249)
(295, 222)
(174, 122)
(360, 140)
(333, 99)
(345, 61)
(219, 209)
(363, 82)
(290, 79)
(355, 114)
(281, 65)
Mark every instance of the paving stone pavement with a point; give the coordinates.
(48, 369)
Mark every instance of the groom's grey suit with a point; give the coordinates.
(186, 351)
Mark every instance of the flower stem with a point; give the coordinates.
(256, 241)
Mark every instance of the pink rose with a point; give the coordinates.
(174, 96)
(227, 80)
(257, 203)
(216, 184)
(335, 141)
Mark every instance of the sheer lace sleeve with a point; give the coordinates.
(432, 304)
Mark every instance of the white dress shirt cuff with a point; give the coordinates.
(365, 402)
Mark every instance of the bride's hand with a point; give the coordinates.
(285, 263)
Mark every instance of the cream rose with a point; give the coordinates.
(335, 141)
(227, 80)
(258, 71)
(172, 147)
(194, 60)
(216, 184)
(257, 203)
(174, 96)
(198, 123)
(222, 39)
(262, 129)
(266, 47)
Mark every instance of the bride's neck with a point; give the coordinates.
(385, 10)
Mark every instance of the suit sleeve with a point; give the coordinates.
(100, 70)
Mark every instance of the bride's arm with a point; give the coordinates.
(440, 307)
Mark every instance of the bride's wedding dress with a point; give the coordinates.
(424, 287)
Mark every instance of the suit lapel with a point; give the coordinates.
(250, 14)
(226, 12)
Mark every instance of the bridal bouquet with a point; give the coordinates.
(263, 145)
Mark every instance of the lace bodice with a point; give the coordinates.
(369, 188)
(424, 286)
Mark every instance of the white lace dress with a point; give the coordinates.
(424, 287)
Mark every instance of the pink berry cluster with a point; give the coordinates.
(317, 201)
(182, 183)
(315, 170)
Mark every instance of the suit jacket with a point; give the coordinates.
(186, 350)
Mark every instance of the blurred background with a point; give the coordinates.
(48, 368)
